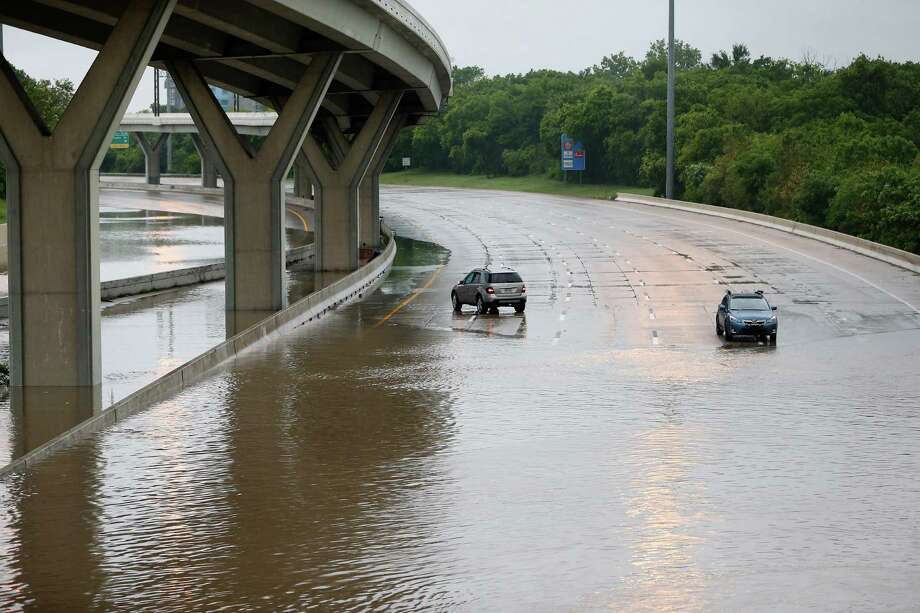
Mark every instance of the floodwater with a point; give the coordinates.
(603, 451)
(143, 337)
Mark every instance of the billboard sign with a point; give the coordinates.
(573, 155)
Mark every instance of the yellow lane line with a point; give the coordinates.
(415, 294)
(306, 227)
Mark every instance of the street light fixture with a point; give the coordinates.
(669, 182)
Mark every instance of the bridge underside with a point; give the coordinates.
(343, 76)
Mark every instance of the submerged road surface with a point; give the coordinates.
(604, 451)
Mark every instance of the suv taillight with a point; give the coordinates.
(490, 290)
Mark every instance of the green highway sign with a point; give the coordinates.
(120, 140)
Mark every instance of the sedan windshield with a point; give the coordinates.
(749, 304)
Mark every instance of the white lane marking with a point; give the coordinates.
(797, 252)
(651, 314)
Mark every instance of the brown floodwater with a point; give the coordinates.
(603, 451)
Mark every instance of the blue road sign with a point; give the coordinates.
(573, 155)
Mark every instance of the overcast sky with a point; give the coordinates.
(506, 36)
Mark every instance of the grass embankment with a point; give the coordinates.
(2, 210)
(532, 184)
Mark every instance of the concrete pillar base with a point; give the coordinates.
(208, 167)
(369, 194)
(337, 186)
(152, 155)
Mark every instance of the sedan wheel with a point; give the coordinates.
(480, 306)
(719, 331)
(457, 306)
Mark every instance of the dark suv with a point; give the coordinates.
(488, 290)
(746, 315)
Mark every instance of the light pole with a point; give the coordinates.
(669, 183)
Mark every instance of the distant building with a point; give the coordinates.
(227, 100)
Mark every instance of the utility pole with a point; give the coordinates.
(669, 184)
(156, 92)
(1, 39)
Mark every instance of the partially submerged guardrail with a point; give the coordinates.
(351, 288)
(897, 257)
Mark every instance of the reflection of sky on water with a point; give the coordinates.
(132, 243)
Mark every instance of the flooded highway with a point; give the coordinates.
(603, 451)
(144, 336)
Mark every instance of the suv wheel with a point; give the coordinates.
(457, 306)
(519, 308)
(719, 331)
(729, 335)
(772, 339)
(481, 307)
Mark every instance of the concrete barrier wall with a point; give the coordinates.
(897, 257)
(351, 288)
(290, 198)
(163, 187)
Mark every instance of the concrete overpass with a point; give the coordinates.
(165, 124)
(345, 76)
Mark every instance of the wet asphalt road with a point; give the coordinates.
(603, 451)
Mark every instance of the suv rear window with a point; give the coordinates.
(505, 277)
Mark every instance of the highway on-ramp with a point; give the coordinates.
(605, 450)
(175, 200)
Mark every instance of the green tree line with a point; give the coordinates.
(836, 148)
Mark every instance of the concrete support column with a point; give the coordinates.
(151, 155)
(254, 180)
(369, 193)
(303, 187)
(54, 205)
(208, 167)
(337, 184)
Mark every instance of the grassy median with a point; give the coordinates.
(2, 210)
(532, 184)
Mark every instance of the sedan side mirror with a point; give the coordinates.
(462, 281)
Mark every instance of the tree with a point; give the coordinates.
(50, 99)
(466, 75)
(616, 66)
(686, 58)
